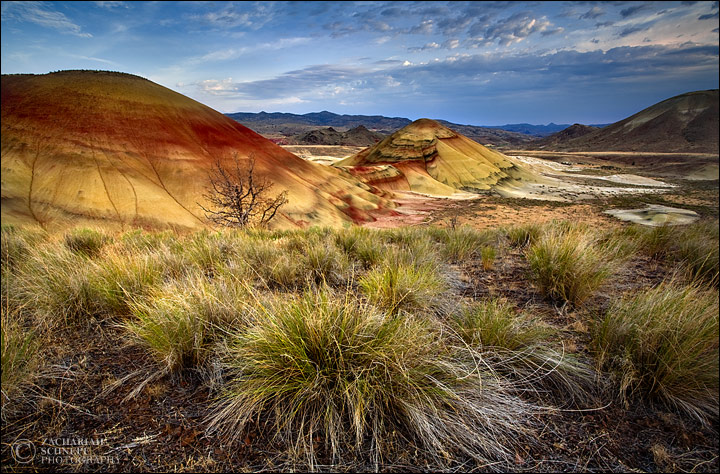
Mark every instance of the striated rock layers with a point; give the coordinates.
(429, 158)
(92, 147)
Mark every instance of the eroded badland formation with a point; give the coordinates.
(108, 148)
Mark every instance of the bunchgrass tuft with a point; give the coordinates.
(693, 247)
(569, 262)
(361, 244)
(20, 347)
(661, 345)
(56, 284)
(697, 250)
(169, 323)
(523, 235)
(521, 347)
(16, 243)
(487, 257)
(329, 368)
(401, 284)
(461, 243)
(86, 242)
(496, 323)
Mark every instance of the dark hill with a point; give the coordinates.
(573, 131)
(686, 123)
(358, 136)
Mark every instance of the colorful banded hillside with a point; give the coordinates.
(106, 148)
(429, 158)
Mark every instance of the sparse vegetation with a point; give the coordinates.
(327, 366)
(87, 242)
(353, 348)
(662, 344)
(523, 348)
(397, 285)
(523, 235)
(20, 348)
(239, 198)
(693, 247)
(569, 262)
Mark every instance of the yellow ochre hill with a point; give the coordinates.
(429, 158)
(106, 148)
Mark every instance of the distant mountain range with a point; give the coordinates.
(277, 125)
(685, 123)
(563, 136)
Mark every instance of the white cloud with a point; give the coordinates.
(38, 13)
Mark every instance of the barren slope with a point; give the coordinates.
(429, 158)
(686, 123)
(101, 147)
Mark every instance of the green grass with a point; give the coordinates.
(16, 243)
(520, 346)
(569, 262)
(329, 367)
(523, 235)
(20, 354)
(661, 345)
(401, 284)
(461, 243)
(86, 242)
(487, 257)
(693, 247)
(355, 347)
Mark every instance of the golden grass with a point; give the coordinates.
(661, 344)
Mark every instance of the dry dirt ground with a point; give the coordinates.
(588, 186)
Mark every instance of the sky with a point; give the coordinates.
(479, 63)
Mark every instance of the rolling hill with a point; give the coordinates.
(112, 148)
(686, 123)
(558, 138)
(358, 136)
(429, 158)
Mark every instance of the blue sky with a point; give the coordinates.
(482, 63)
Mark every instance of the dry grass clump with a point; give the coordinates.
(139, 240)
(340, 380)
(694, 247)
(178, 322)
(173, 331)
(661, 344)
(320, 261)
(293, 261)
(119, 278)
(461, 243)
(20, 347)
(496, 323)
(86, 242)
(523, 235)
(208, 251)
(16, 243)
(361, 244)
(56, 284)
(517, 345)
(697, 250)
(61, 286)
(402, 283)
(569, 262)
(487, 257)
